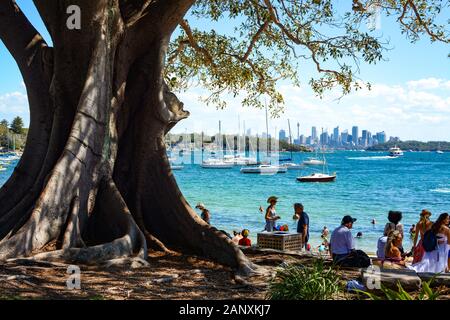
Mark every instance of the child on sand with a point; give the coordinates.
(245, 241)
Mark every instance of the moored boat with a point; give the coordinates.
(318, 177)
(313, 162)
(216, 164)
(264, 169)
(292, 166)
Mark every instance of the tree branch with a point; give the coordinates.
(25, 44)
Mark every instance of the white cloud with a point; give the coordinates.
(14, 104)
(429, 83)
(413, 110)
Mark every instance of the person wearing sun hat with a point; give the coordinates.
(341, 242)
(206, 216)
(271, 214)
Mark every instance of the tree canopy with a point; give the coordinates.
(273, 39)
(17, 125)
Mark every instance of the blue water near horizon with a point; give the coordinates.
(368, 185)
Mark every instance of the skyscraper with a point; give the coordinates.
(355, 135)
(344, 137)
(324, 138)
(282, 135)
(336, 136)
(381, 137)
(313, 134)
(298, 131)
(365, 138)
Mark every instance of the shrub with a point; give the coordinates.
(299, 282)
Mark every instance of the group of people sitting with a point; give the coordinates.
(431, 243)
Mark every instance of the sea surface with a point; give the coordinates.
(368, 185)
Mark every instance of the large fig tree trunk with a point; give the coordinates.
(94, 179)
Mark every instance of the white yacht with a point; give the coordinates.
(264, 169)
(216, 164)
(313, 162)
(395, 152)
(292, 166)
(239, 160)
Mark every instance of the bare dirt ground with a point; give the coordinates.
(168, 276)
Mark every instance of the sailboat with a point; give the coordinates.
(439, 151)
(323, 176)
(215, 163)
(291, 165)
(314, 161)
(268, 169)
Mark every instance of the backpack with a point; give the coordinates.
(429, 241)
(356, 259)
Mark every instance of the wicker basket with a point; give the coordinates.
(280, 240)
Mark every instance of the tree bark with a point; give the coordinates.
(102, 187)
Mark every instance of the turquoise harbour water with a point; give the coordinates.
(368, 185)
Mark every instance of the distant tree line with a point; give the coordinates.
(412, 145)
(284, 145)
(12, 135)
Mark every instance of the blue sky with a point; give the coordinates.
(410, 96)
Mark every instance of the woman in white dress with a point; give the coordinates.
(436, 261)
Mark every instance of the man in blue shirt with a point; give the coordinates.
(341, 242)
(303, 223)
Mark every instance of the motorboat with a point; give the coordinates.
(318, 177)
(293, 166)
(313, 162)
(264, 169)
(395, 152)
(216, 164)
(176, 167)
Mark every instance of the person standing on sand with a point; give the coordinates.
(437, 260)
(303, 223)
(206, 216)
(271, 214)
(422, 226)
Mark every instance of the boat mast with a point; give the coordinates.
(290, 138)
(267, 132)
